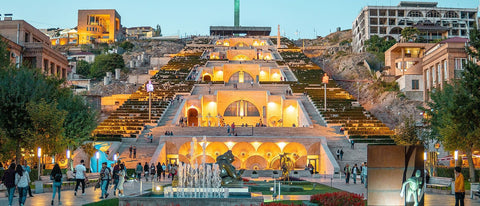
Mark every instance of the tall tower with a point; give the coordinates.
(278, 37)
(236, 21)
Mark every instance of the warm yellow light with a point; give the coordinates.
(158, 188)
(262, 73)
(281, 145)
(456, 154)
(230, 145)
(271, 104)
(256, 145)
(290, 108)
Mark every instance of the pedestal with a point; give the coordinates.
(38, 187)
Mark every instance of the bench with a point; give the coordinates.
(439, 182)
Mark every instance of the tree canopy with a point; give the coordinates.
(106, 63)
(378, 45)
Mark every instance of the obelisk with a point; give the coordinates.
(236, 21)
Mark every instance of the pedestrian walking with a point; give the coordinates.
(352, 144)
(153, 174)
(459, 187)
(164, 169)
(173, 172)
(365, 174)
(22, 180)
(130, 149)
(29, 170)
(56, 176)
(346, 170)
(145, 169)
(151, 138)
(341, 154)
(159, 172)
(139, 171)
(80, 177)
(8, 180)
(354, 173)
(121, 180)
(338, 154)
(134, 152)
(116, 177)
(105, 176)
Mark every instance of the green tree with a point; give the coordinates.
(83, 68)
(127, 46)
(378, 45)
(106, 63)
(47, 126)
(4, 54)
(455, 109)
(410, 34)
(408, 133)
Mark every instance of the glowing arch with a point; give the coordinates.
(243, 150)
(241, 57)
(208, 159)
(301, 162)
(269, 150)
(314, 149)
(256, 161)
(241, 44)
(215, 149)
(240, 77)
(295, 148)
(186, 148)
(241, 108)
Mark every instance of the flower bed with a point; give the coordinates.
(337, 199)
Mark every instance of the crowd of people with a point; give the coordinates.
(354, 171)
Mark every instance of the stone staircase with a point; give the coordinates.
(169, 114)
(289, 74)
(358, 155)
(312, 112)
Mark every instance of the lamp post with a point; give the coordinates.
(456, 157)
(97, 155)
(149, 90)
(68, 158)
(39, 154)
(424, 173)
(325, 82)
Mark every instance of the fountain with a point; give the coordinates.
(200, 184)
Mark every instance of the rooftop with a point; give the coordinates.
(417, 4)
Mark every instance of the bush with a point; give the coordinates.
(338, 198)
(448, 172)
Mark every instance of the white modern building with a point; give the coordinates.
(433, 22)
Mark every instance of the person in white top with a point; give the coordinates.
(80, 176)
(22, 179)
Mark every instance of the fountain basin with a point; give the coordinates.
(235, 198)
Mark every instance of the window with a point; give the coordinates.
(241, 108)
(459, 62)
(434, 79)
(439, 70)
(433, 13)
(415, 13)
(415, 84)
(428, 78)
(445, 71)
(451, 14)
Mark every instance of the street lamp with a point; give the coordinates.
(68, 158)
(149, 90)
(97, 155)
(325, 82)
(39, 154)
(115, 158)
(456, 157)
(424, 171)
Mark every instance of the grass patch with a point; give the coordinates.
(307, 187)
(107, 202)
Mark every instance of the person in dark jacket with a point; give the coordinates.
(8, 180)
(57, 177)
(145, 169)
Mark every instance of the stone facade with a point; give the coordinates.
(99, 25)
(35, 47)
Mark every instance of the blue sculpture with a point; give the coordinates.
(103, 158)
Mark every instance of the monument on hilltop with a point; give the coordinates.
(236, 21)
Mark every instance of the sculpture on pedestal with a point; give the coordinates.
(414, 187)
(227, 170)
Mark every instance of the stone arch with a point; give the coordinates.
(256, 161)
(171, 148)
(241, 57)
(207, 78)
(314, 149)
(234, 109)
(301, 162)
(295, 148)
(396, 30)
(208, 159)
(433, 13)
(186, 148)
(192, 117)
(241, 44)
(237, 163)
(269, 150)
(451, 14)
(215, 149)
(415, 13)
(242, 150)
(183, 158)
(236, 77)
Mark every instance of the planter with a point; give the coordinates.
(38, 187)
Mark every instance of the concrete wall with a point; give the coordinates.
(149, 201)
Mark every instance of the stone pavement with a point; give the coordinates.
(68, 198)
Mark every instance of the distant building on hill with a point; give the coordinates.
(433, 22)
(99, 26)
(29, 46)
(140, 32)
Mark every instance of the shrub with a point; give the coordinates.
(338, 198)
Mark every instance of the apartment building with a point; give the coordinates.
(433, 22)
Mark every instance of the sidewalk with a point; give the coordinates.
(68, 198)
